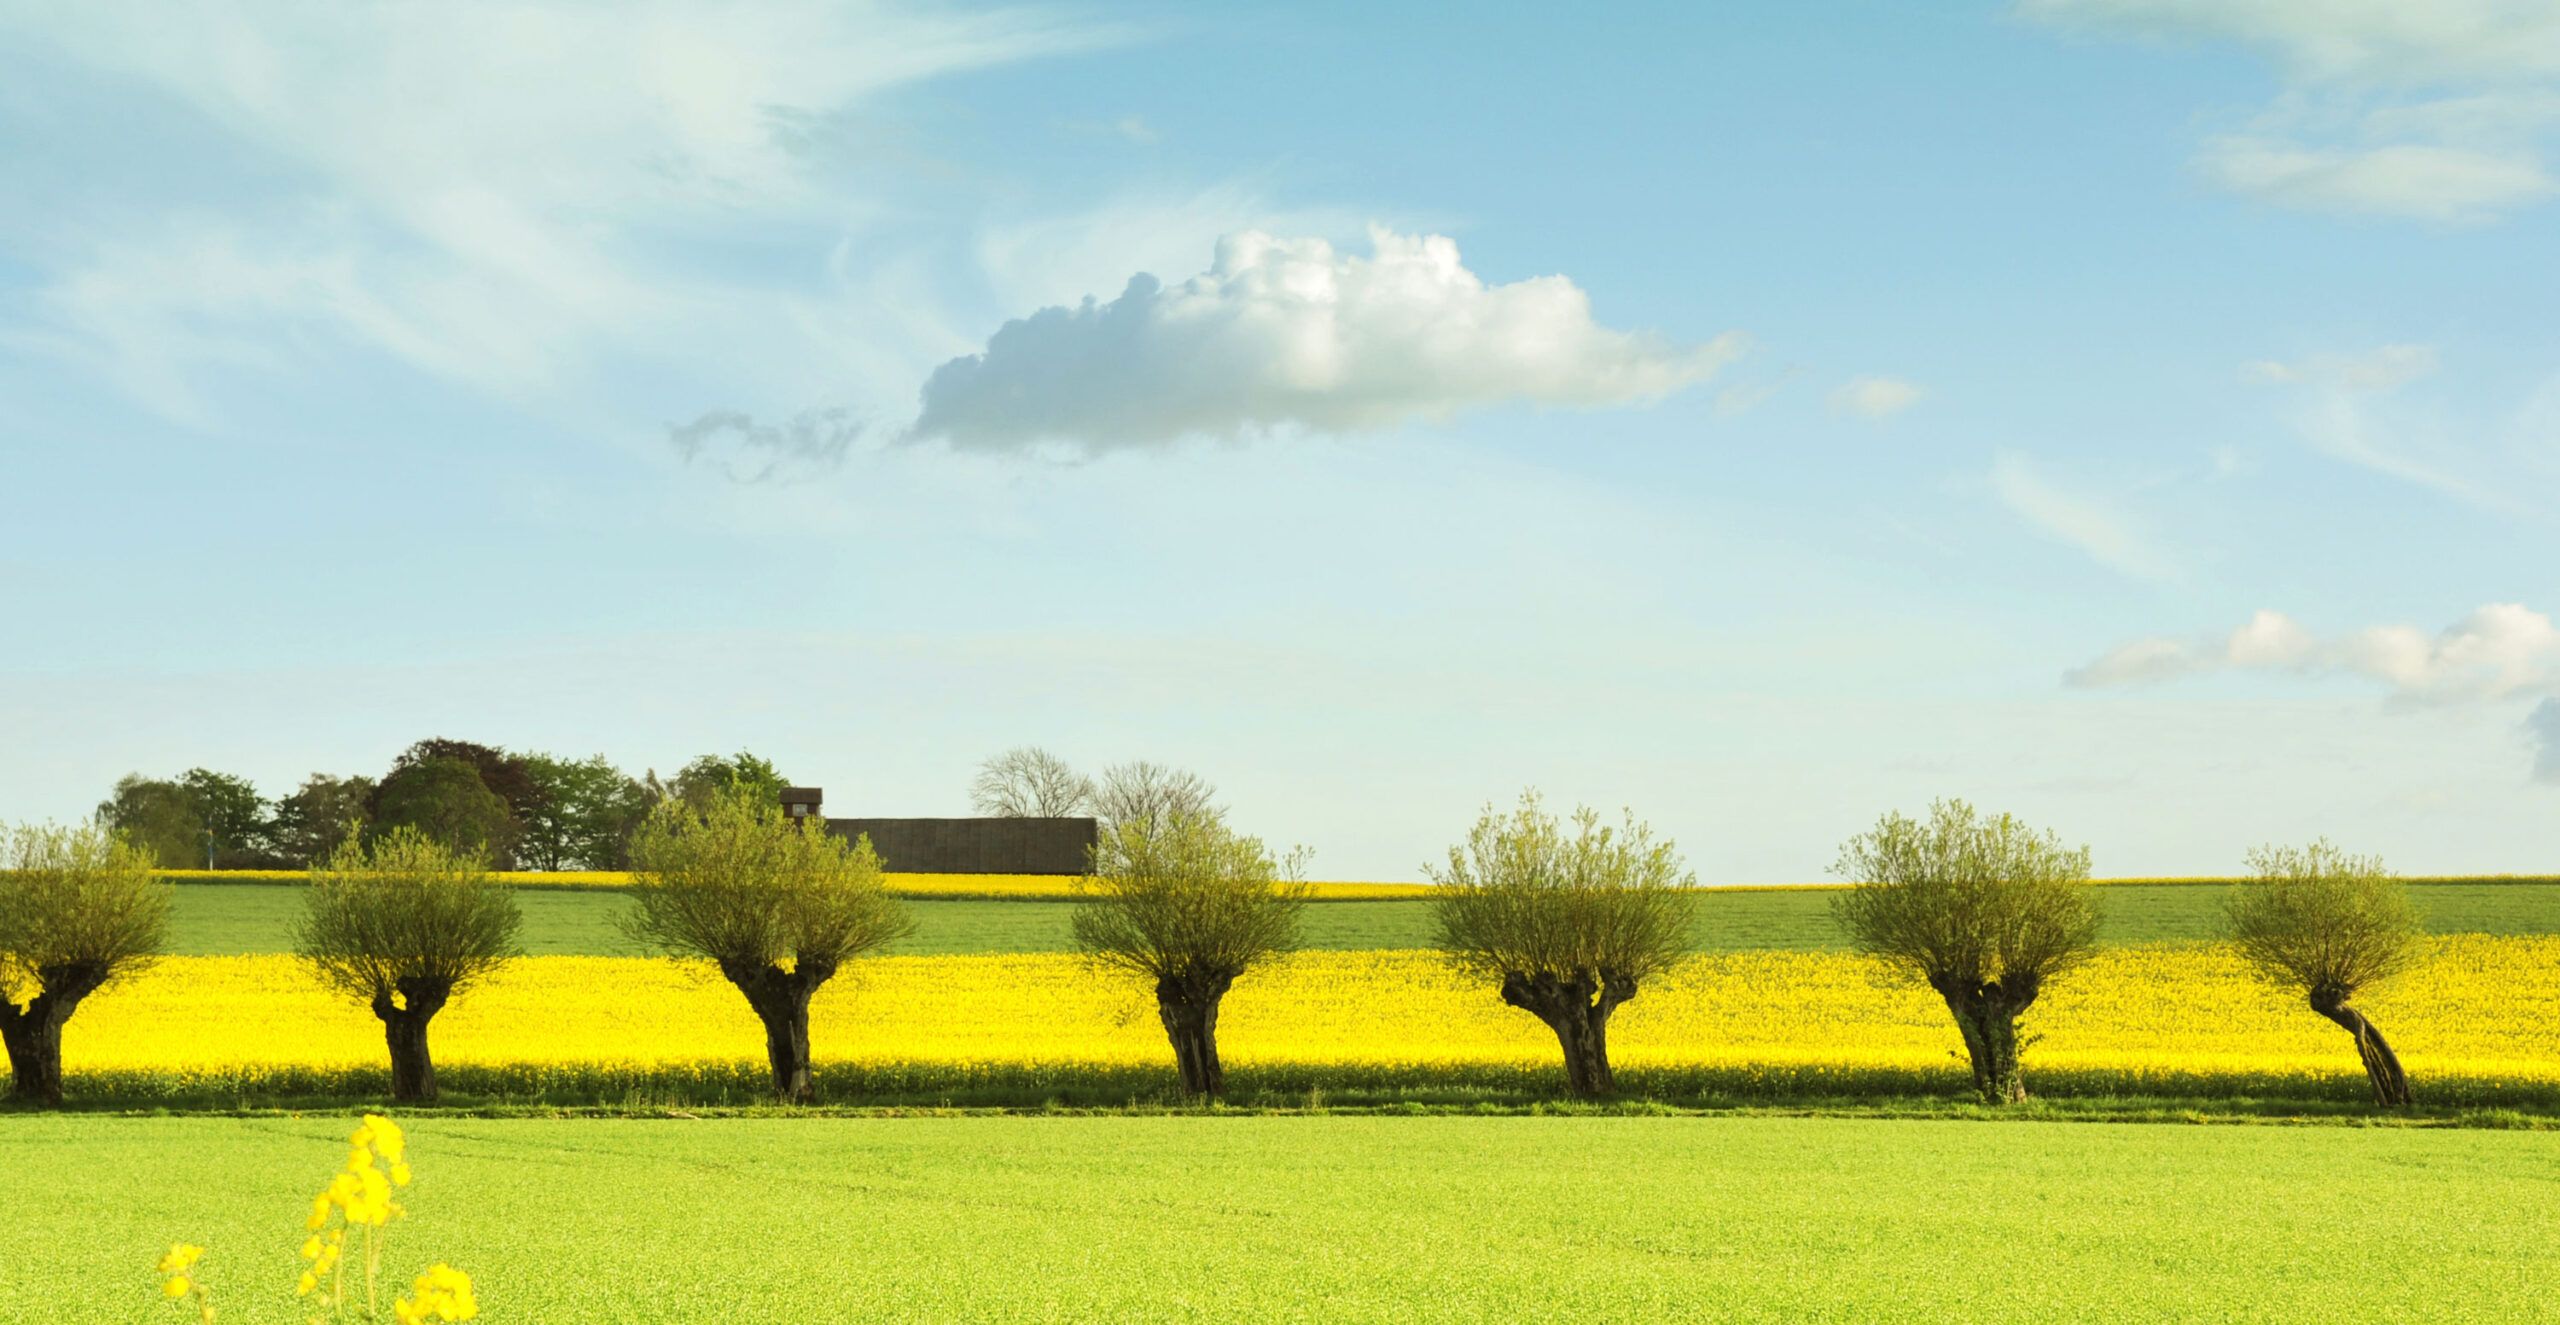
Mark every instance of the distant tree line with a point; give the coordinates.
(509, 809)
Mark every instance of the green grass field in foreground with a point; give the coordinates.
(1318, 1219)
(223, 919)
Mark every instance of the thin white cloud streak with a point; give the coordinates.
(2105, 535)
(2340, 413)
(2450, 185)
(1286, 333)
(2434, 111)
(2499, 651)
(1875, 398)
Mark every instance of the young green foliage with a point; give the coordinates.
(1982, 909)
(2329, 924)
(777, 909)
(404, 923)
(78, 907)
(1567, 925)
(1189, 906)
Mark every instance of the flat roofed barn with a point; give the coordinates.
(961, 846)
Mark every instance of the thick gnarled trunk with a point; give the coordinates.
(1987, 1016)
(1576, 1007)
(33, 1033)
(404, 1031)
(781, 1001)
(2381, 1066)
(1188, 1007)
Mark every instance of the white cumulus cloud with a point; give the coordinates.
(1875, 398)
(2499, 651)
(2542, 726)
(1286, 332)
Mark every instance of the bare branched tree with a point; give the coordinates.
(1983, 909)
(405, 923)
(1027, 782)
(1189, 907)
(1145, 796)
(2329, 924)
(79, 907)
(1566, 924)
(779, 910)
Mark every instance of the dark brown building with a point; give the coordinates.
(961, 846)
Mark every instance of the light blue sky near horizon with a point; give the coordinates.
(340, 358)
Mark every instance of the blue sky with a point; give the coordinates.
(2142, 415)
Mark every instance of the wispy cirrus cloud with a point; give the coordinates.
(2107, 535)
(2343, 406)
(505, 197)
(2441, 111)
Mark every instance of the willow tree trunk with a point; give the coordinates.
(781, 1001)
(1987, 1016)
(1576, 1007)
(2381, 1066)
(1188, 1006)
(404, 1030)
(33, 1032)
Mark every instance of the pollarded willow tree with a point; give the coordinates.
(2329, 925)
(777, 909)
(406, 923)
(1567, 924)
(1983, 909)
(1188, 906)
(79, 907)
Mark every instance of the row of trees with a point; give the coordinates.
(1565, 918)
(515, 808)
(523, 808)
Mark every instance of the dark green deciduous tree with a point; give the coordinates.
(309, 824)
(585, 813)
(157, 817)
(445, 801)
(501, 772)
(702, 781)
(234, 817)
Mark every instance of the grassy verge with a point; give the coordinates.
(1334, 1219)
(1012, 1087)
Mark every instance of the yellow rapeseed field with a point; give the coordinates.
(2485, 1009)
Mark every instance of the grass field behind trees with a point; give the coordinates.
(213, 920)
(1335, 1219)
